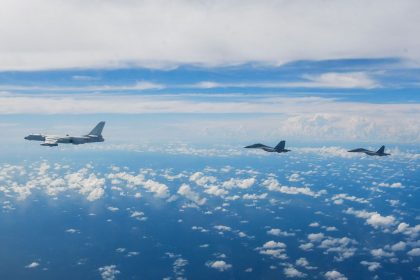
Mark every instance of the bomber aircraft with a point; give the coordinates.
(52, 140)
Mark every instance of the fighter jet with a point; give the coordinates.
(277, 149)
(52, 140)
(380, 152)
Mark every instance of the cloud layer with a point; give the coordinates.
(44, 34)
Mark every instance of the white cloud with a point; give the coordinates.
(303, 262)
(311, 117)
(254, 196)
(273, 244)
(273, 185)
(223, 228)
(32, 265)
(345, 196)
(291, 272)
(239, 183)
(325, 80)
(372, 266)
(373, 218)
(159, 189)
(70, 34)
(216, 191)
(186, 191)
(72, 230)
(274, 249)
(381, 253)
(307, 246)
(219, 265)
(200, 179)
(109, 272)
(399, 246)
(340, 80)
(405, 228)
(343, 247)
(414, 252)
(316, 237)
(95, 194)
(334, 275)
(89, 185)
(279, 232)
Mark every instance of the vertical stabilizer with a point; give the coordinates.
(381, 150)
(97, 131)
(281, 145)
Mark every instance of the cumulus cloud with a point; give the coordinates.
(254, 196)
(239, 183)
(291, 272)
(396, 185)
(317, 237)
(415, 252)
(89, 185)
(216, 191)
(372, 266)
(406, 229)
(274, 249)
(32, 265)
(185, 190)
(159, 189)
(222, 228)
(334, 275)
(219, 265)
(200, 179)
(374, 219)
(279, 232)
(399, 246)
(273, 185)
(109, 272)
(381, 253)
(343, 247)
(339, 197)
(303, 262)
(306, 246)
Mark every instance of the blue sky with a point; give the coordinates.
(213, 70)
(183, 86)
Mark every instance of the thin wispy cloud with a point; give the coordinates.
(350, 80)
(268, 115)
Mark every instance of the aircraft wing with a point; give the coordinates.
(257, 146)
(50, 141)
(359, 150)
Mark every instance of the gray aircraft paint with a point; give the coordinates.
(53, 140)
(277, 149)
(380, 152)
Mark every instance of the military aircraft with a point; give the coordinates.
(52, 140)
(277, 149)
(380, 152)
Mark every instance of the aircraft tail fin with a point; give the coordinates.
(381, 150)
(281, 145)
(98, 129)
